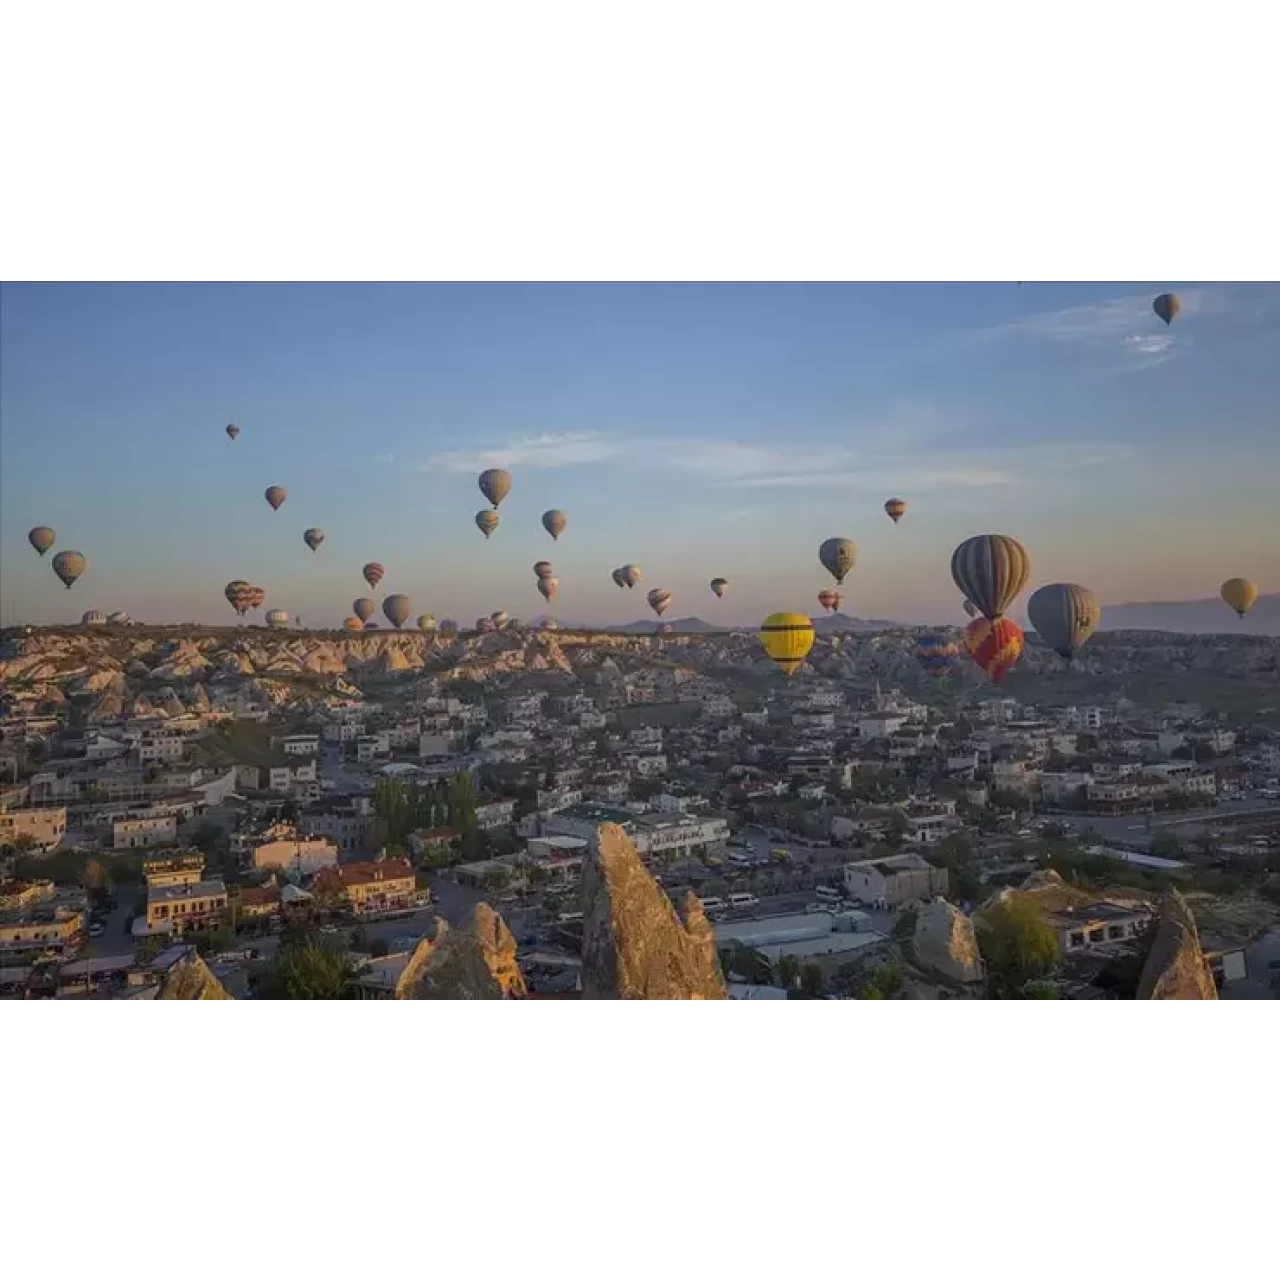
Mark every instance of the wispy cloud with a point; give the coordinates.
(384, 457)
(544, 451)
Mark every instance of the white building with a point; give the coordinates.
(678, 835)
(495, 814)
(880, 724)
(139, 833)
(300, 744)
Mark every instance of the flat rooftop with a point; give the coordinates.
(181, 892)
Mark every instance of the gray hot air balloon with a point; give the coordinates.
(233, 430)
(277, 618)
(618, 580)
(118, 619)
(487, 522)
(970, 608)
(495, 485)
(990, 570)
(543, 569)
(396, 610)
(275, 496)
(718, 585)
(554, 522)
(498, 617)
(1166, 306)
(631, 574)
(1064, 615)
(838, 556)
(448, 627)
(659, 600)
(549, 587)
(313, 538)
(93, 618)
(69, 565)
(363, 608)
(41, 537)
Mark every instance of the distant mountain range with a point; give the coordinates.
(1195, 617)
(835, 622)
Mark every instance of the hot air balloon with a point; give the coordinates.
(352, 624)
(548, 587)
(838, 556)
(554, 522)
(543, 569)
(787, 639)
(895, 509)
(119, 618)
(396, 610)
(1239, 593)
(664, 629)
(313, 538)
(618, 580)
(485, 626)
(990, 570)
(1166, 306)
(277, 618)
(970, 608)
(995, 645)
(363, 608)
(495, 485)
(549, 624)
(718, 585)
(93, 618)
(1064, 615)
(631, 574)
(41, 537)
(937, 653)
(69, 565)
(659, 600)
(448, 627)
(498, 617)
(830, 600)
(255, 596)
(426, 622)
(233, 430)
(487, 521)
(373, 573)
(275, 496)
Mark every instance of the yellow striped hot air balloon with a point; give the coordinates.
(787, 639)
(1240, 594)
(895, 509)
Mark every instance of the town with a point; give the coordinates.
(239, 813)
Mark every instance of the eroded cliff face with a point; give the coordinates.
(1176, 968)
(192, 979)
(634, 945)
(943, 942)
(476, 961)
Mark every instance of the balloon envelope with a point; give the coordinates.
(619, 580)
(787, 639)
(990, 570)
(363, 608)
(838, 556)
(233, 430)
(830, 600)
(69, 565)
(995, 645)
(659, 600)
(543, 569)
(970, 608)
(549, 587)
(396, 610)
(275, 496)
(1166, 306)
(1064, 615)
(277, 618)
(313, 538)
(631, 574)
(1240, 594)
(495, 484)
(895, 509)
(373, 573)
(718, 585)
(41, 537)
(352, 624)
(426, 622)
(487, 521)
(554, 522)
(937, 653)
(93, 618)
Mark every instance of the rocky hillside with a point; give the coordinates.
(169, 671)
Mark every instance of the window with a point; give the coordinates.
(1097, 935)
(1115, 931)
(1077, 939)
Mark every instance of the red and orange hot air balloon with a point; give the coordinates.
(830, 600)
(994, 646)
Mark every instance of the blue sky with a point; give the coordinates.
(696, 430)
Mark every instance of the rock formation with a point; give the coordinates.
(944, 941)
(474, 962)
(191, 979)
(634, 946)
(1176, 968)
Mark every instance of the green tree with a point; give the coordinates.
(97, 882)
(1017, 944)
(309, 968)
(786, 971)
(1039, 989)
(748, 964)
(1165, 844)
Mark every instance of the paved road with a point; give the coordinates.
(1186, 825)
(1259, 958)
(115, 939)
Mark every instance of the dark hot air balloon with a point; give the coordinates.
(1064, 615)
(838, 556)
(495, 485)
(554, 522)
(364, 608)
(313, 538)
(233, 430)
(895, 509)
(275, 496)
(487, 521)
(41, 537)
(1166, 306)
(990, 570)
(718, 586)
(396, 609)
(659, 600)
(69, 565)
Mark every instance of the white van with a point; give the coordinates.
(743, 901)
(713, 904)
(827, 894)
(569, 917)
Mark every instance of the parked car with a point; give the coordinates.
(97, 929)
